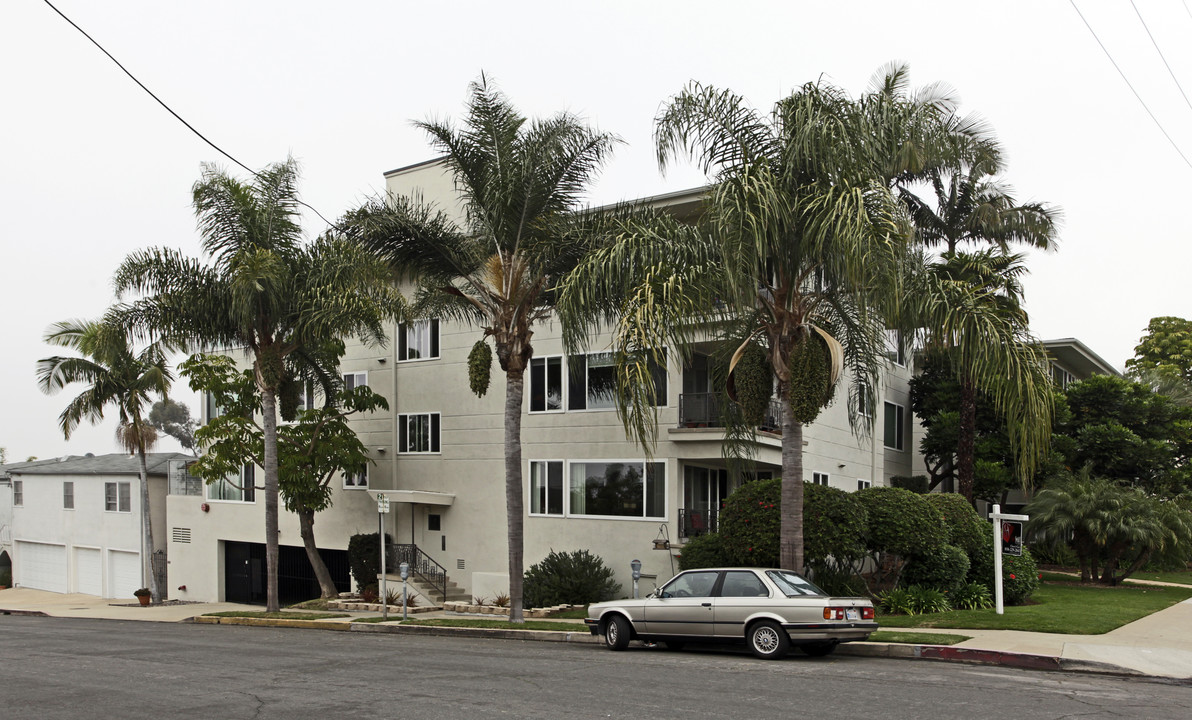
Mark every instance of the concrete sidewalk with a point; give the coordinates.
(1159, 645)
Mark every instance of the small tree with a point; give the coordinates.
(173, 419)
(901, 526)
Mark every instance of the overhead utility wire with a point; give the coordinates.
(1127, 81)
(170, 110)
(1161, 56)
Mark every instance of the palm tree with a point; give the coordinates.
(116, 376)
(799, 251)
(265, 291)
(520, 184)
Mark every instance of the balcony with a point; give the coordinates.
(694, 523)
(702, 410)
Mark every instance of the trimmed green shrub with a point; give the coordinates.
(837, 580)
(834, 524)
(574, 578)
(972, 596)
(364, 558)
(1020, 578)
(704, 551)
(927, 600)
(749, 524)
(901, 522)
(896, 602)
(944, 569)
(917, 484)
(965, 528)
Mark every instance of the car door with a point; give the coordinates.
(683, 606)
(742, 594)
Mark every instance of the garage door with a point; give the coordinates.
(124, 573)
(89, 571)
(41, 566)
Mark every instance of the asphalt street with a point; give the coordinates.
(75, 668)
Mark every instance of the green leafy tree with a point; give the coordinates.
(117, 376)
(173, 419)
(311, 450)
(521, 183)
(1166, 347)
(264, 290)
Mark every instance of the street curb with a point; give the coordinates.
(974, 656)
(579, 636)
(270, 622)
(34, 613)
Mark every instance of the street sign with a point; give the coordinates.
(382, 503)
(1012, 538)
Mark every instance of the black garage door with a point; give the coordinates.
(244, 573)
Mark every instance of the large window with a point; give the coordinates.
(617, 489)
(418, 340)
(894, 429)
(355, 379)
(546, 384)
(418, 433)
(18, 493)
(306, 398)
(546, 487)
(895, 347)
(68, 495)
(819, 478)
(117, 497)
(356, 481)
(235, 487)
(592, 382)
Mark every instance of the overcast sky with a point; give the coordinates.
(93, 168)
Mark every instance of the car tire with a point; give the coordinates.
(675, 645)
(767, 640)
(617, 633)
(820, 649)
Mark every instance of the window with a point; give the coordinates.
(895, 347)
(117, 497)
(306, 398)
(692, 584)
(546, 384)
(546, 487)
(1061, 377)
(18, 493)
(592, 383)
(214, 409)
(618, 489)
(434, 522)
(893, 426)
(418, 433)
(357, 480)
(863, 484)
(819, 478)
(355, 380)
(68, 495)
(864, 402)
(418, 340)
(235, 487)
(743, 584)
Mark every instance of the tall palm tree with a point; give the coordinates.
(118, 377)
(264, 291)
(799, 251)
(520, 183)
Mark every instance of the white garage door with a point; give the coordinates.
(41, 566)
(124, 573)
(89, 571)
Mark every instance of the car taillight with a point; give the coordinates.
(831, 613)
(866, 613)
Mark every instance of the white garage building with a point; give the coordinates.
(76, 523)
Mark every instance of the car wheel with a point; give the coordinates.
(675, 645)
(616, 633)
(768, 640)
(820, 649)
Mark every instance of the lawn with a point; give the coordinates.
(1183, 577)
(283, 615)
(1058, 607)
(917, 638)
(499, 624)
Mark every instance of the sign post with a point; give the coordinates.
(1007, 537)
(382, 511)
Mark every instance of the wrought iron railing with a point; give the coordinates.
(704, 410)
(694, 523)
(421, 565)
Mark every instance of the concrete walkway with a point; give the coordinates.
(1159, 645)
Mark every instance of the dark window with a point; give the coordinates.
(434, 522)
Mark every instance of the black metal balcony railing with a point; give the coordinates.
(693, 523)
(703, 410)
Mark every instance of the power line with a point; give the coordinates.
(1161, 56)
(1127, 81)
(170, 110)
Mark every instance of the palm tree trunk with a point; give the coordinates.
(269, 427)
(790, 534)
(966, 443)
(306, 526)
(147, 532)
(514, 387)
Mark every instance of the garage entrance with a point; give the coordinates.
(244, 573)
(41, 566)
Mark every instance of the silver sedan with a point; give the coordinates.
(769, 610)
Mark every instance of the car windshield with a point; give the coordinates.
(792, 584)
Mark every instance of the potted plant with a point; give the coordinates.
(143, 595)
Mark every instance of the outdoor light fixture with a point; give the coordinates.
(205, 507)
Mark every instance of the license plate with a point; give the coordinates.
(852, 614)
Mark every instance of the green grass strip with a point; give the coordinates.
(283, 615)
(917, 638)
(499, 624)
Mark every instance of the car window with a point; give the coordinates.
(793, 584)
(743, 584)
(692, 584)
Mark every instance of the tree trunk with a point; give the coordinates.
(966, 444)
(306, 525)
(147, 533)
(514, 387)
(790, 534)
(269, 427)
